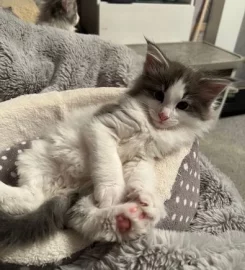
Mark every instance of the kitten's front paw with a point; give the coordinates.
(149, 202)
(107, 196)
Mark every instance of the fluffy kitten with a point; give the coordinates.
(108, 152)
(59, 13)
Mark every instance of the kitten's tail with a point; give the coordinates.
(34, 226)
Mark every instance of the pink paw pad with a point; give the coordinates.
(123, 223)
(142, 216)
(133, 209)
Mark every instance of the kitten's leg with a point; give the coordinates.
(116, 223)
(19, 200)
(105, 166)
(34, 169)
(141, 186)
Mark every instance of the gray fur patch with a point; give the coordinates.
(34, 226)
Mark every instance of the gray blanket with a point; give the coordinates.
(216, 240)
(37, 59)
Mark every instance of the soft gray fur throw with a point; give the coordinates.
(37, 58)
(221, 211)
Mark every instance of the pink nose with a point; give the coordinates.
(163, 116)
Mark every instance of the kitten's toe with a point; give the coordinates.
(132, 222)
(106, 196)
(123, 223)
(151, 205)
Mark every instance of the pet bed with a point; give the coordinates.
(220, 206)
(27, 119)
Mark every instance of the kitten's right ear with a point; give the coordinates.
(154, 56)
(64, 4)
(211, 88)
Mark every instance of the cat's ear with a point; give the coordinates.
(154, 56)
(64, 4)
(212, 88)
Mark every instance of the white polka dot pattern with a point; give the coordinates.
(173, 216)
(8, 162)
(181, 205)
(186, 166)
(13, 174)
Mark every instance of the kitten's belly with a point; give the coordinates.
(134, 147)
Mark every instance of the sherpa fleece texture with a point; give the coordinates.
(37, 58)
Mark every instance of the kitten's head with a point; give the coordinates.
(60, 9)
(174, 95)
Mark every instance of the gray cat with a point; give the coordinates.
(35, 58)
(59, 13)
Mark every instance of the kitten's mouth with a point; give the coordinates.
(158, 123)
(163, 124)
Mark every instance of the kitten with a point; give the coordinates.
(59, 13)
(108, 152)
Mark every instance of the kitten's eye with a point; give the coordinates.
(159, 95)
(182, 105)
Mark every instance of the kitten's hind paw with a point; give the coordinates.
(151, 204)
(131, 222)
(107, 196)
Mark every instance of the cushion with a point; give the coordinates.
(178, 173)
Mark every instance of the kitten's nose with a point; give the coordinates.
(163, 116)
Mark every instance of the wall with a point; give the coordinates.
(230, 24)
(240, 48)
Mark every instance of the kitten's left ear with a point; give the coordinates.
(154, 56)
(211, 88)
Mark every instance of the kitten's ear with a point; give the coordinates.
(154, 56)
(64, 4)
(211, 88)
